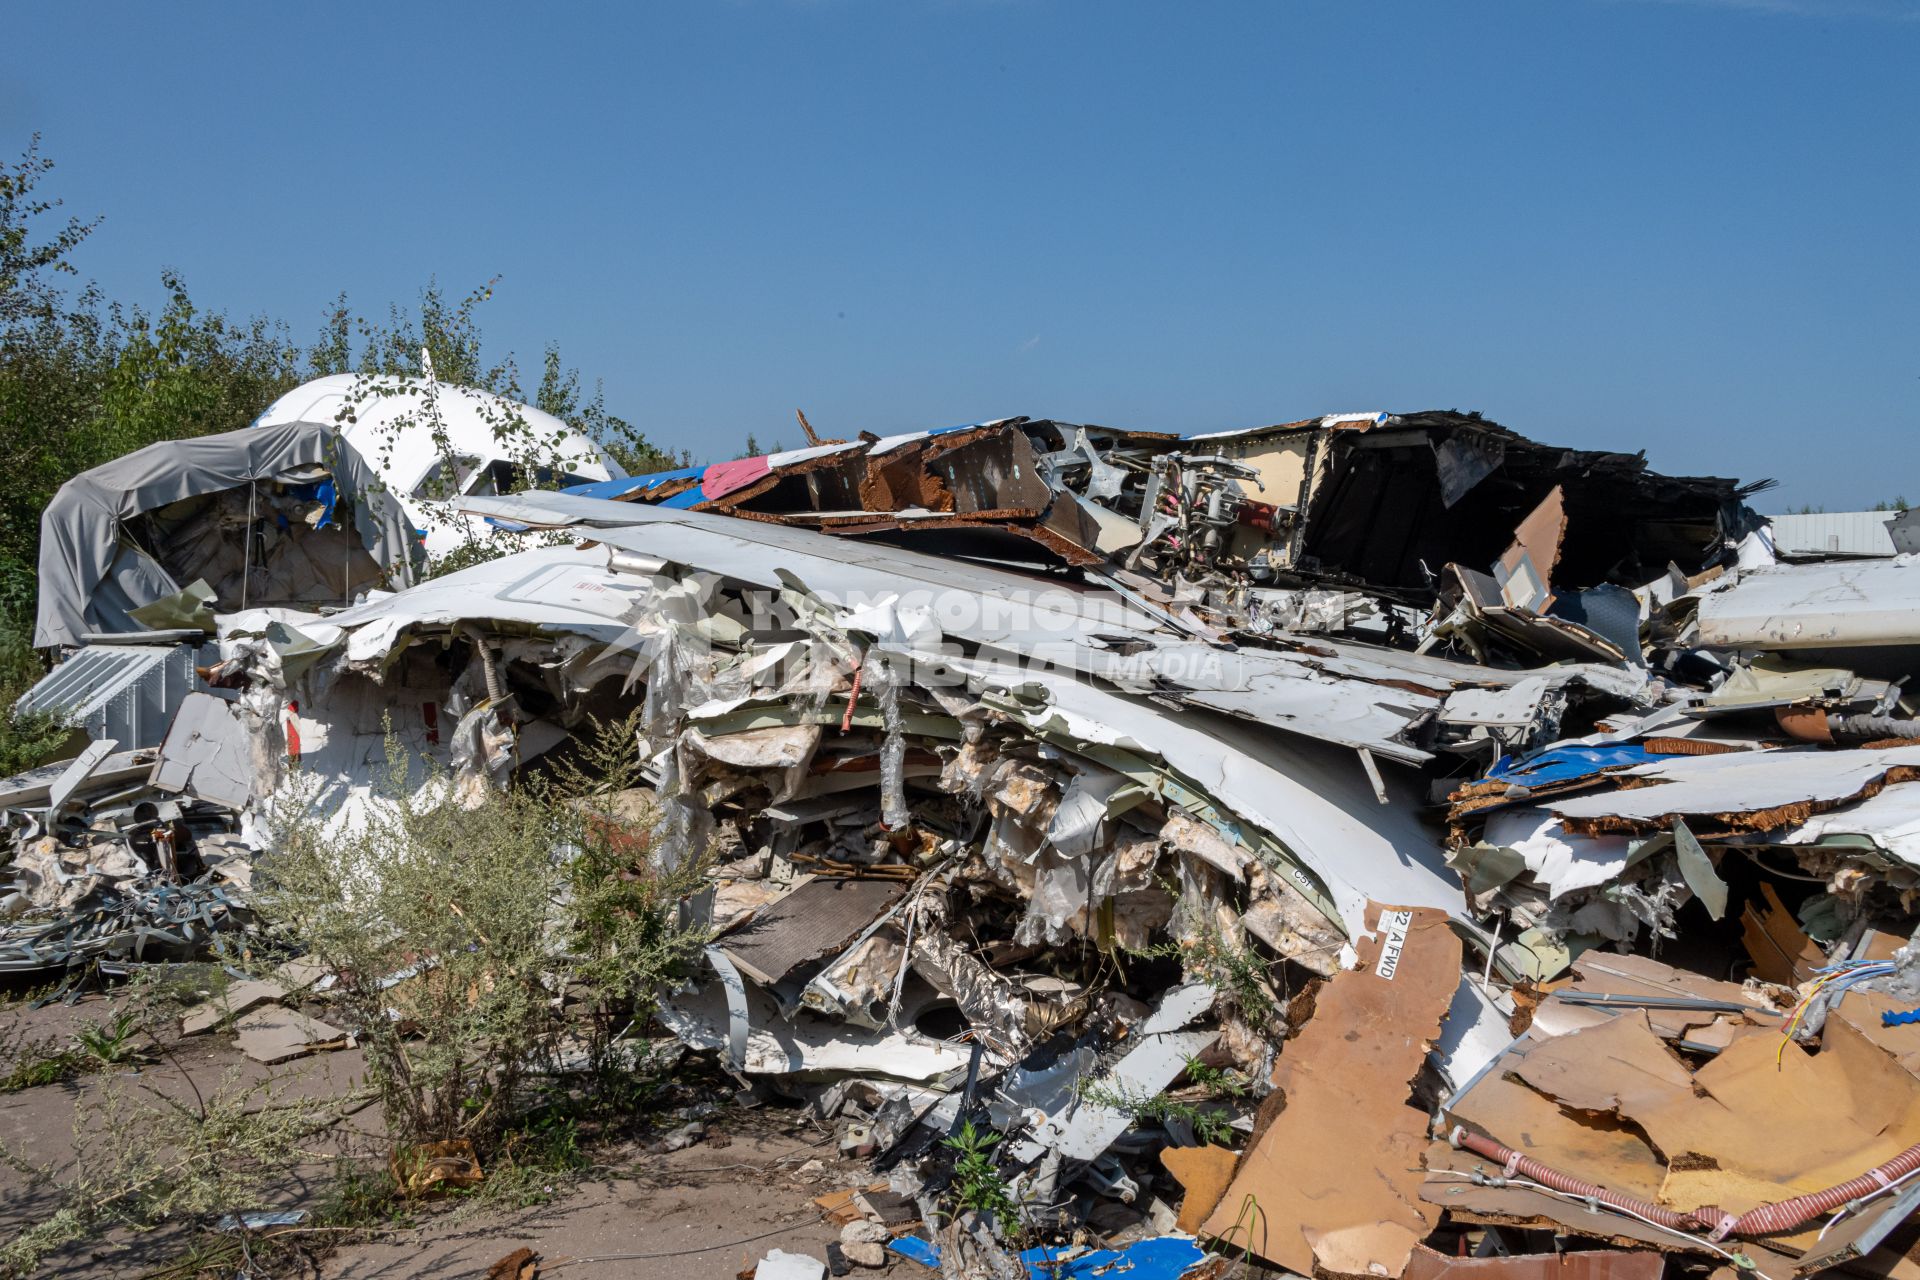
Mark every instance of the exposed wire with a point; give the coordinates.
(1853, 1206)
(1740, 1261)
(1841, 978)
(1772, 870)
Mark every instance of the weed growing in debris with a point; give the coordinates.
(1210, 1124)
(27, 1063)
(488, 951)
(1237, 972)
(436, 919)
(977, 1186)
(536, 1159)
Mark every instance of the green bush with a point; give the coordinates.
(85, 380)
(483, 951)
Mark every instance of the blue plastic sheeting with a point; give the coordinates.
(1161, 1258)
(682, 501)
(616, 489)
(633, 484)
(321, 491)
(1563, 764)
(920, 1251)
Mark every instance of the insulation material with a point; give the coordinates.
(981, 841)
(1293, 927)
(783, 749)
(987, 999)
(1318, 804)
(1348, 1072)
(857, 985)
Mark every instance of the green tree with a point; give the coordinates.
(84, 380)
(24, 265)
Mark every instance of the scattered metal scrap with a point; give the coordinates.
(1361, 843)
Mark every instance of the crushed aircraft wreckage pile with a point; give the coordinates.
(1375, 845)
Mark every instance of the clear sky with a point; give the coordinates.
(1688, 226)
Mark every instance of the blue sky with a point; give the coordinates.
(1688, 226)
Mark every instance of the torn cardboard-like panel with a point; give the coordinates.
(1203, 1174)
(1758, 1123)
(1590, 1264)
(1596, 1147)
(1676, 1002)
(274, 1034)
(1862, 1011)
(1342, 1084)
(1781, 950)
(1525, 570)
(1618, 1066)
(1780, 1124)
(237, 999)
(1449, 1187)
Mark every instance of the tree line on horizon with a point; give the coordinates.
(86, 378)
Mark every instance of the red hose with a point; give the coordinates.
(1762, 1220)
(1546, 1175)
(853, 695)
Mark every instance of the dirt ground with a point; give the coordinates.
(698, 1214)
(702, 1213)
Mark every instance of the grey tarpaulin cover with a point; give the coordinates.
(91, 575)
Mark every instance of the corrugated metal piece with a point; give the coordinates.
(128, 692)
(1833, 533)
